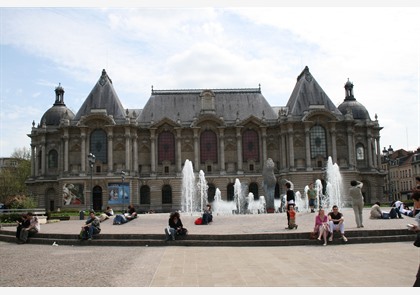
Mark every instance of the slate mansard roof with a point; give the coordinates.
(185, 106)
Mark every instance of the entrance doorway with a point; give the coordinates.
(97, 198)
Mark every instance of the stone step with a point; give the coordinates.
(244, 240)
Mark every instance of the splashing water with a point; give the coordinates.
(202, 189)
(222, 207)
(334, 187)
(189, 202)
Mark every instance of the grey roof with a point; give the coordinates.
(102, 96)
(58, 111)
(307, 92)
(350, 104)
(185, 105)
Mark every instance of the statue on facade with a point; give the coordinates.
(269, 184)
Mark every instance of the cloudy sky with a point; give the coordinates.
(377, 48)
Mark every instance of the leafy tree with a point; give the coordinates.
(14, 175)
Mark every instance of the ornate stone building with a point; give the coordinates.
(227, 133)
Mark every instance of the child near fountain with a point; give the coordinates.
(292, 217)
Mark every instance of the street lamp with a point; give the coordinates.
(387, 158)
(91, 158)
(122, 189)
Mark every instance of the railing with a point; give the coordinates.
(35, 211)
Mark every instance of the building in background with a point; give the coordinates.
(106, 154)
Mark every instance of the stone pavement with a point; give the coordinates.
(341, 265)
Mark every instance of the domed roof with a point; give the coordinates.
(356, 108)
(58, 110)
(351, 105)
(55, 114)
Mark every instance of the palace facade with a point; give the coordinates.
(108, 155)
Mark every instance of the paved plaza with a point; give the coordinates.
(339, 265)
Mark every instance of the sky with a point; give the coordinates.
(221, 46)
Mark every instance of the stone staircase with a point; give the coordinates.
(220, 240)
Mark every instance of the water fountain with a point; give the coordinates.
(239, 197)
(202, 190)
(334, 187)
(222, 207)
(189, 201)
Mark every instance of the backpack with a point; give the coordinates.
(198, 221)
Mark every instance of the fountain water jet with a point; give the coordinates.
(333, 188)
(188, 198)
(202, 189)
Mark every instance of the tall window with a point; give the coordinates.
(166, 194)
(360, 152)
(318, 142)
(98, 145)
(208, 146)
(145, 195)
(53, 159)
(250, 146)
(166, 147)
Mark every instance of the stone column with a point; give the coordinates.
(222, 150)
(178, 154)
(83, 151)
(196, 163)
(291, 149)
(33, 161)
(153, 151)
(239, 149)
(333, 142)
(110, 143)
(350, 147)
(135, 156)
(308, 147)
(127, 149)
(264, 144)
(43, 156)
(66, 150)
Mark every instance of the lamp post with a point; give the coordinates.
(91, 158)
(122, 190)
(387, 158)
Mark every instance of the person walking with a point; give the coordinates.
(311, 197)
(357, 201)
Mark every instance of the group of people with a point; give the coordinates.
(129, 215)
(27, 226)
(325, 225)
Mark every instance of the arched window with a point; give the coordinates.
(98, 145)
(166, 147)
(145, 195)
(208, 147)
(250, 146)
(253, 188)
(230, 192)
(211, 192)
(360, 152)
(166, 194)
(318, 142)
(52, 159)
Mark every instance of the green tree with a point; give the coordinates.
(14, 174)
